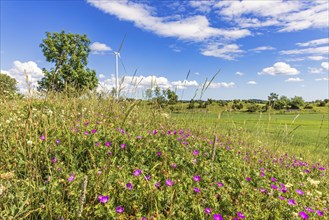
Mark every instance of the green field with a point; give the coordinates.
(294, 132)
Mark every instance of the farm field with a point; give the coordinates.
(295, 132)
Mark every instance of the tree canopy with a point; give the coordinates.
(69, 53)
(7, 86)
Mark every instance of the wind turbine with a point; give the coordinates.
(117, 56)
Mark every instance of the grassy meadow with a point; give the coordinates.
(90, 158)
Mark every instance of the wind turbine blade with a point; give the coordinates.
(123, 40)
(123, 65)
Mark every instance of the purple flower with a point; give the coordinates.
(292, 202)
(273, 179)
(97, 144)
(42, 137)
(103, 199)
(147, 177)
(173, 165)
(309, 209)
(248, 179)
(129, 186)
(139, 137)
(240, 215)
(144, 218)
(159, 153)
(107, 143)
(262, 174)
(220, 184)
(119, 209)
(197, 190)
(281, 198)
(123, 146)
(71, 178)
(169, 182)
(195, 152)
(322, 168)
(303, 215)
(57, 141)
(93, 131)
(319, 213)
(300, 192)
(207, 210)
(196, 178)
(157, 184)
(86, 132)
(137, 172)
(53, 160)
(218, 217)
(262, 190)
(195, 160)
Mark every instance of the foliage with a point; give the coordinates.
(106, 159)
(8, 86)
(297, 102)
(68, 52)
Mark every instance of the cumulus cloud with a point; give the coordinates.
(251, 83)
(224, 51)
(297, 79)
(99, 48)
(239, 73)
(279, 68)
(314, 42)
(21, 70)
(193, 28)
(215, 85)
(184, 84)
(325, 65)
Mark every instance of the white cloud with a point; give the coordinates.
(193, 28)
(252, 83)
(279, 68)
(316, 58)
(239, 73)
(101, 76)
(175, 48)
(96, 46)
(215, 85)
(313, 43)
(325, 65)
(322, 79)
(184, 84)
(224, 51)
(197, 73)
(314, 70)
(287, 15)
(263, 48)
(311, 50)
(297, 79)
(21, 70)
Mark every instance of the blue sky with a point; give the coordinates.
(259, 46)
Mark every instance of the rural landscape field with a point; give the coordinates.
(233, 125)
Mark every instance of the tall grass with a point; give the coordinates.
(90, 157)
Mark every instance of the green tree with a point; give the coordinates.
(297, 102)
(69, 53)
(272, 98)
(172, 97)
(8, 86)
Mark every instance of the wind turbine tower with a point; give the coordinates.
(117, 56)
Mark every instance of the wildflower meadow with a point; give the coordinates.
(93, 158)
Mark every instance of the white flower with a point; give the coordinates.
(29, 142)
